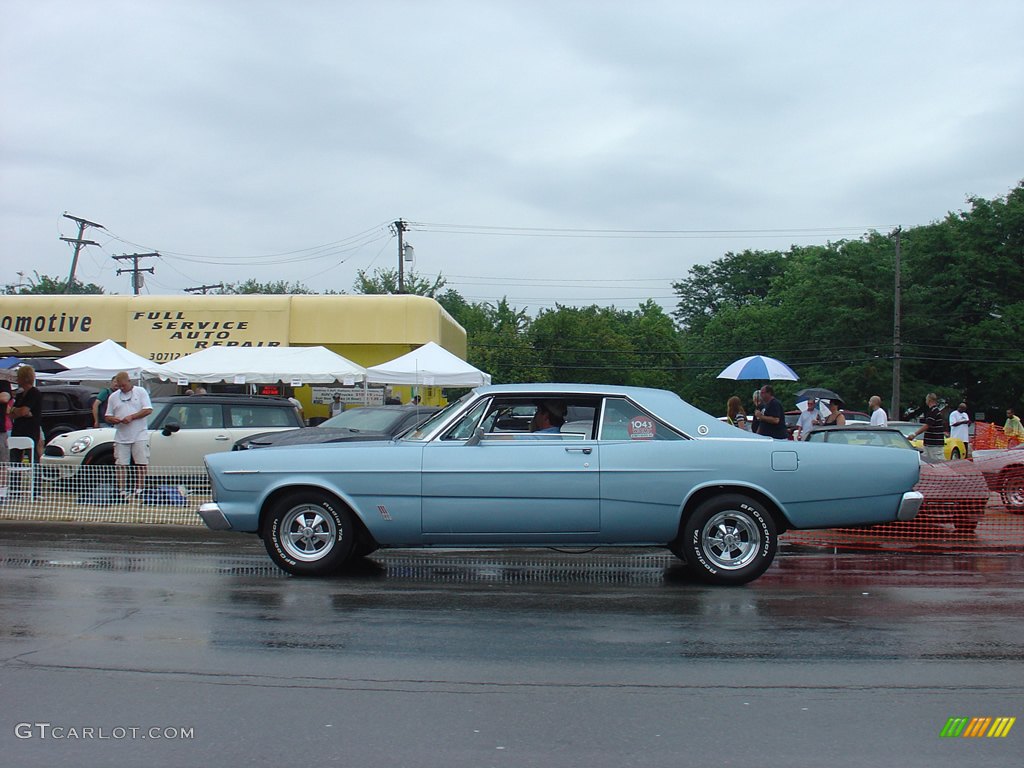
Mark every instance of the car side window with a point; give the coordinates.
(54, 401)
(261, 416)
(624, 421)
(198, 416)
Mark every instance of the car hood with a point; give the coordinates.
(311, 435)
(97, 433)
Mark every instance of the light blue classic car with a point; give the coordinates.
(612, 466)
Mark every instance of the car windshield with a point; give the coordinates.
(424, 429)
(365, 419)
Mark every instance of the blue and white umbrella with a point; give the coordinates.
(759, 367)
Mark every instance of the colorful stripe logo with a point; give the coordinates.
(977, 727)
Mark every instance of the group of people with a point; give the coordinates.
(769, 418)
(123, 406)
(23, 413)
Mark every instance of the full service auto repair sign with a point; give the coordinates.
(168, 335)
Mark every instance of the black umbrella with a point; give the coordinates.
(818, 393)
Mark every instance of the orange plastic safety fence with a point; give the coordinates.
(991, 437)
(975, 504)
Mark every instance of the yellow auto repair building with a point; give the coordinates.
(368, 330)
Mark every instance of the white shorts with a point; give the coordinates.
(125, 453)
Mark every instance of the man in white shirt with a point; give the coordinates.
(807, 419)
(879, 418)
(959, 427)
(128, 408)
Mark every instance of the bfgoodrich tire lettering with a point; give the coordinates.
(729, 539)
(308, 533)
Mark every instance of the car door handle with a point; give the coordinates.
(222, 437)
(586, 451)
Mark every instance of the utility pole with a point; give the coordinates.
(401, 227)
(136, 270)
(79, 242)
(204, 288)
(897, 351)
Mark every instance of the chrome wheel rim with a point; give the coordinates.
(307, 533)
(1014, 492)
(730, 540)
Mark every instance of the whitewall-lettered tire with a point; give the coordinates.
(729, 539)
(309, 533)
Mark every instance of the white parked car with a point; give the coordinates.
(182, 429)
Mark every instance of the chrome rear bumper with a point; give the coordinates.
(909, 506)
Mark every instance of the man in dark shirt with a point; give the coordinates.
(771, 416)
(934, 429)
(27, 411)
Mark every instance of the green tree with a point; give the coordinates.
(964, 302)
(828, 312)
(497, 335)
(252, 286)
(735, 280)
(44, 284)
(607, 345)
(385, 281)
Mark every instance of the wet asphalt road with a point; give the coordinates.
(179, 647)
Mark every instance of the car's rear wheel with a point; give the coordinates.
(308, 533)
(1011, 490)
(954, 454)
(729, 539)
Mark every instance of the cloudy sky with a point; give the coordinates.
(579, 152)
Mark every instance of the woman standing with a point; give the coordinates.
(27, 412)
(835, 416)
(735, 414)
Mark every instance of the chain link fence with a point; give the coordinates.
(94, 494)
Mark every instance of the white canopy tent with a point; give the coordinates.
(19, 344)
(429, 366)
(104, 360)
(266, 365)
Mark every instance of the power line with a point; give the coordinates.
(324, 250)
(516, 231)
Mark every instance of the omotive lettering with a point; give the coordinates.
(62, 323)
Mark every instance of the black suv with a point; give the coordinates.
(66, 407)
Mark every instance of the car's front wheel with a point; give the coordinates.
(308, 533)
(729, 540)
(1011, 490)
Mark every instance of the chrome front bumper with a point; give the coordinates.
(909, 506)
(215, 519)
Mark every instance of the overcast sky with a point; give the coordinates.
(580, 152)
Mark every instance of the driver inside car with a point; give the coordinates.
(549, 418)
